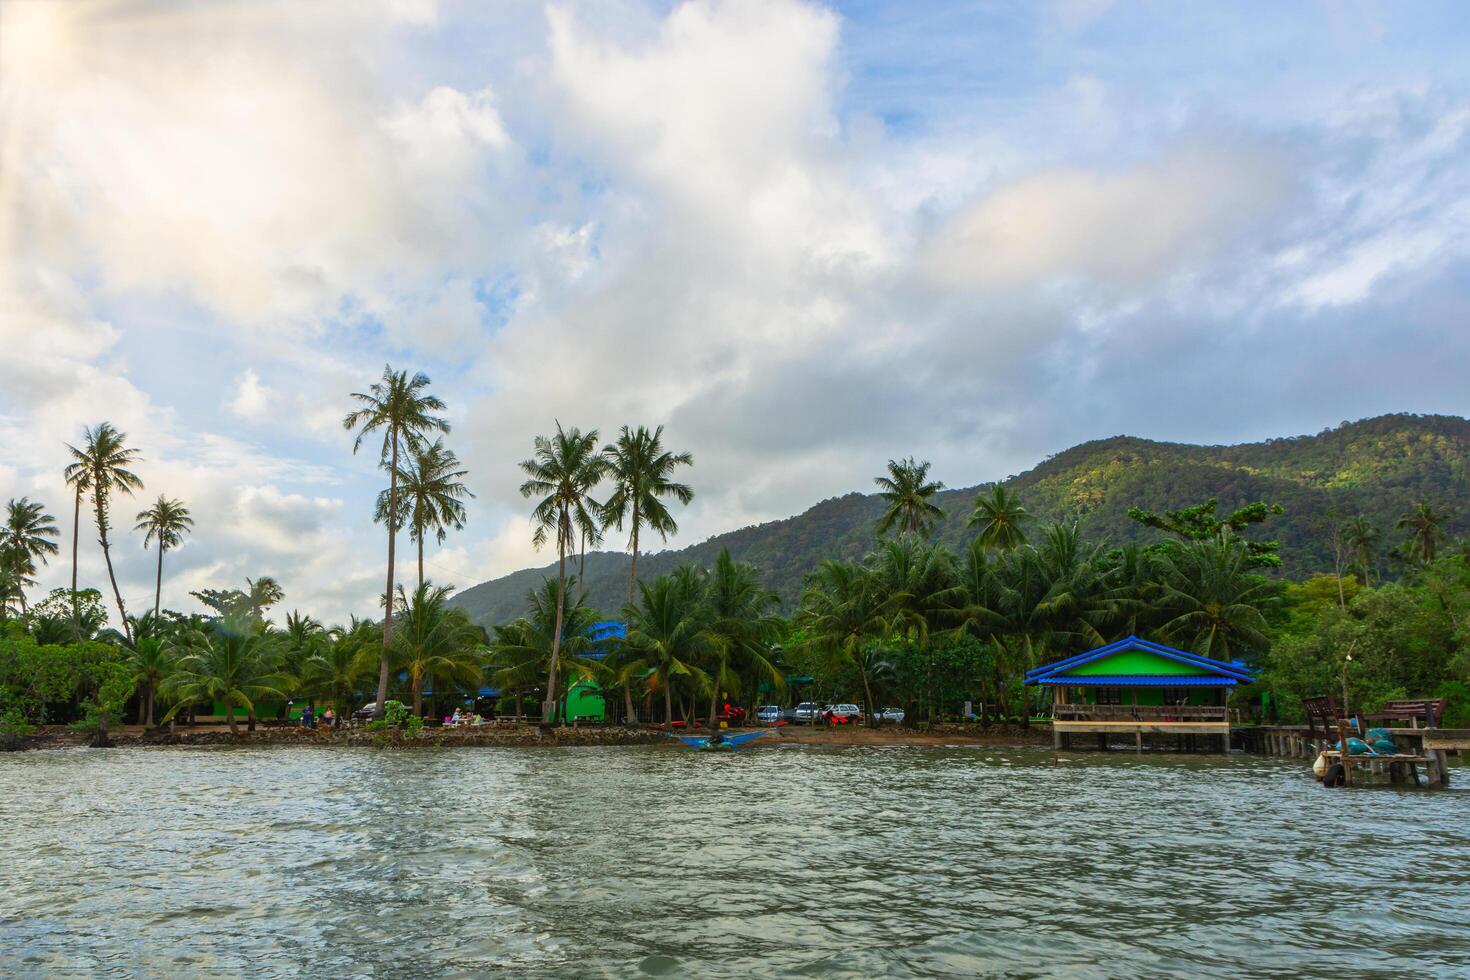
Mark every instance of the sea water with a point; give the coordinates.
(761, 863)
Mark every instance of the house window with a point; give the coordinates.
(1176, 695)
(1110, 695)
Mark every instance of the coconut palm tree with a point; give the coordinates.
(436, 640)
(78, 476)
(668, 636)
(1423, 524)
(1212, 602)
(106, 458)
(264, 593)
(1361, 538)
(641, 468)
(1001, 519)
(563, 474)
(743, 623)
(400, 408)
(919, 588)
(151, 662)
(25, 541)
(520, 652)
(233, 664)
(840, 615)
(430, 496)
(908, 491)
(167, 521)
(338, 666)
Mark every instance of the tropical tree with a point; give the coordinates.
(743, 624)
(264, 593)
(1423, 524)
(26, 541)
(1361, 538)
(668, 637)
(909, 492)
(640, 469)
(79, 477)
(106, 458)
(231, 663)
(520, 652)
(1001, 519)
(401, 409)
(431, 498)
(436, 640)
(342, 660)
(563, 473)
(840, 615)
(1212, 602)
(167, 521)
(919, 588)
(151, 661)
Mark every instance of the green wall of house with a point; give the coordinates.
(1133, 662)
(1154, 695)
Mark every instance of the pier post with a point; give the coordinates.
(1138, 741)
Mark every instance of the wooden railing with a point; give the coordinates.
(1144, 713)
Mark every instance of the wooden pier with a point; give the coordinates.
(1428, 747)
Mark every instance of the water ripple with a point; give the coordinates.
(656, 862)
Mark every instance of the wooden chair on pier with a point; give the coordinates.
(1430, 711)
(1322, 715)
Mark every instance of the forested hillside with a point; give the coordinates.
(1377, 467)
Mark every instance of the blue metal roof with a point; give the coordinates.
(1233, 672)
(604, 636)
(1138, 680)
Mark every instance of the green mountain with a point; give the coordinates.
(1377, 467)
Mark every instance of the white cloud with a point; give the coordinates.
(252, 400)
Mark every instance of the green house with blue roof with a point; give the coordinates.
(1135, 687)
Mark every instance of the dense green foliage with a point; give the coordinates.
(1378, 468)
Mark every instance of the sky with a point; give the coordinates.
(805, 238)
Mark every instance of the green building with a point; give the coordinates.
(1138, 687)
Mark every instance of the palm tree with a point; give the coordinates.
(668, 636)
(520, 653)
(919, 588)
(1001, 519)
(907, 490)
(1361, 537)
(1213, 602)
(563, 473)
(431, 496)
(840, 614)
(264, 593)
(78, 476)
(338, 666)
(640, 468)
(1423, 525)
(400, 407)
(25, 540)
(151, 663)
(106, 460)
(437, 640)
(743, 623)
(168, 521)
(233, 664)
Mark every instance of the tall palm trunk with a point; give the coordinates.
(158, 582)
(76, 533)
(419, 530)
(378, 705)
(668, 704)
(418, 696)
(107, 557)
(871, 716)
(230, 717)
(628, 713)
(548, 709)
(633, 571)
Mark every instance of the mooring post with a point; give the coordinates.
(1342, 744)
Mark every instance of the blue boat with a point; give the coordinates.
(727, 743)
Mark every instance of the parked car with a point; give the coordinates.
(842, 714)
(366, 712)
(891, 715)
(768, 714)
(807, 711)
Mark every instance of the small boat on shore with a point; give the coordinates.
(719, 742)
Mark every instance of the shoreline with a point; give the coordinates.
(527, 736)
